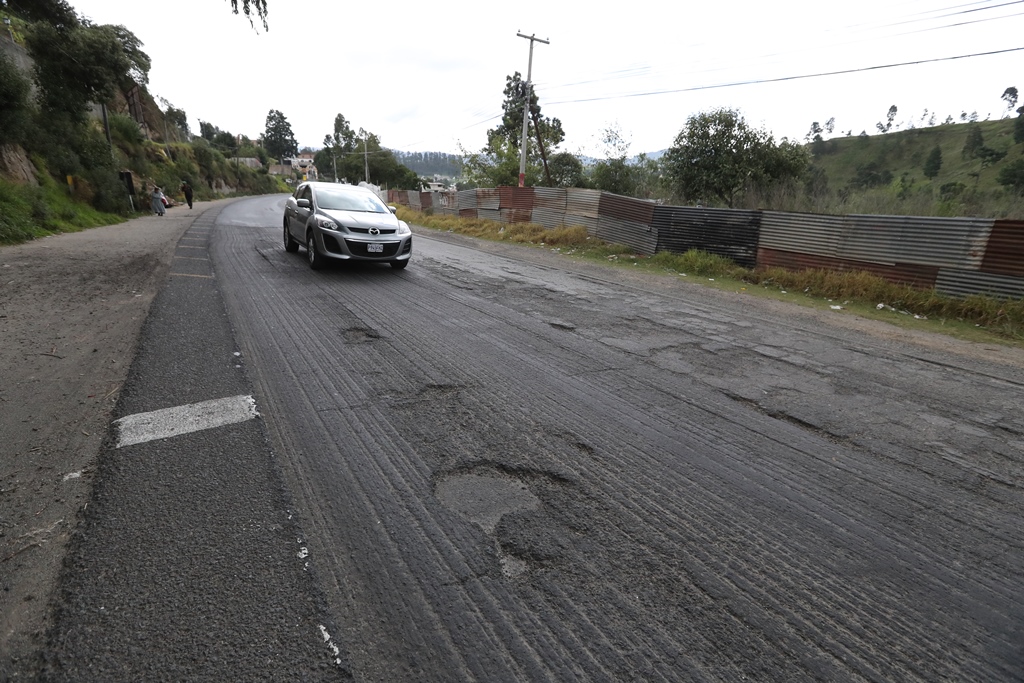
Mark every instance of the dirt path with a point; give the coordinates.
(71, 308)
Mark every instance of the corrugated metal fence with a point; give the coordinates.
(956, 256)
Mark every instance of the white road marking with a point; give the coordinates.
(161, 424)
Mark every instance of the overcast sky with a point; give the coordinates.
(429, 76)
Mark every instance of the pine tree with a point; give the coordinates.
(933, 163)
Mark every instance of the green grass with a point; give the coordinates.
(28, 212)
(974, 318)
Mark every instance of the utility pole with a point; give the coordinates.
(366, 158)
(526, 106)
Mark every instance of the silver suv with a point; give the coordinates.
(344, 223)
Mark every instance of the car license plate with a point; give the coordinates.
(375, 248)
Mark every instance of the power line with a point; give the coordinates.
(638, 71)
(788, 78)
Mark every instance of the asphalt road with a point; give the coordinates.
(502, 465)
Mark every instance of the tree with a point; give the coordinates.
(278, 140)
(100, 66)
(14, 102)
(252, 8)
(974, 142)
(647, 177)
(546, 132)
(177, 118)
(208, 131)
(989, 156)
(1011, 176)
(338, 144)
(57, 13)
(1018, 126)
(871, 175)
(815, 131)
(225, 143)
(1010, 97)
(566, 170)
(889, 117)
(717, 153)
(139, 62)
(498, 164)
(613, 174)
(933, 163)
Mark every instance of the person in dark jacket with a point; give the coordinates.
(187, 191)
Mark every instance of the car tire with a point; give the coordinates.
(290, 245)
(316, 259)
(398, 265)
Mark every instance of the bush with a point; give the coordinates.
(14, 106)
(125, 131)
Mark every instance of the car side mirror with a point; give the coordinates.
(394, 209)
(302, 203)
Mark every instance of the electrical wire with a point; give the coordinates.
(787, 78)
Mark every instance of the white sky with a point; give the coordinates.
(429, 76)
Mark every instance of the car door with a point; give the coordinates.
(302, 213)
(294, 216)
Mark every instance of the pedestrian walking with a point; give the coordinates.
(157, 201)
(187, 191)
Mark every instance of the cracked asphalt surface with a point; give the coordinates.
(504, 464)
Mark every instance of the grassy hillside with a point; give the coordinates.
(884, 173)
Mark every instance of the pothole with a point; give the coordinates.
(484, 499)
(360, 335)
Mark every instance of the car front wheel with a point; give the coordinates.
(290, 245)
(316, 259)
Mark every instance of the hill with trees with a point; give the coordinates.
(80, 132)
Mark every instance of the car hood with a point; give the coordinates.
(362, 219)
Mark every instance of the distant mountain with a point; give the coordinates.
(430, 164)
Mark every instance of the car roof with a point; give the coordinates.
(345, 187)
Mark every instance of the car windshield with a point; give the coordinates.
(339, 200)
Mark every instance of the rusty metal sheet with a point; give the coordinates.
(965, 282)
(640, 237)
(426, 200)
(488, 198)
(489, 214)
(516, 197)
(625, 208)
(588, 222)
(807, 233)
(583, 202)
(726, 232)
(516, 215)
(549, 218)
(468, 213)
(553, 198)
(915, 275)
(466, 199)
(1004, 253)
(929, 240)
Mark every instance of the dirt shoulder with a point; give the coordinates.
(71, 310)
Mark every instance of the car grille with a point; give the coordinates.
(366, 231)
(359, 249)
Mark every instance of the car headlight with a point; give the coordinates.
(326, 223)
(403, 228)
